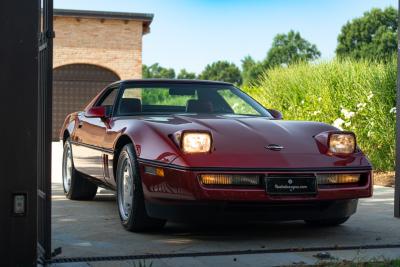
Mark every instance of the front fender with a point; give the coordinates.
(68, 125)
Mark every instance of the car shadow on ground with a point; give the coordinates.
(92, 228)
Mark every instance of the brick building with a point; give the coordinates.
(92, 49)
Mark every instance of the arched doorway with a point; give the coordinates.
(74, 86)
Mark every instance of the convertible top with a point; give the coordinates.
(172, 81)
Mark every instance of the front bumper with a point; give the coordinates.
(179, 195)
(193, 211)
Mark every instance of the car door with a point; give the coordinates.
(88, 148)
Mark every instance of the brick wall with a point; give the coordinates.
(110, 43)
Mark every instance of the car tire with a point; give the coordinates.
(75, 185)
(327, 222)
(130, 196)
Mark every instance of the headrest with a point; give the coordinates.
(129, 105)
(199, 106)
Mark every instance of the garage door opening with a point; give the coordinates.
(74, 85)
(97, 232)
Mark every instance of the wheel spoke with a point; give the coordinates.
(126, 189)
(67, 168)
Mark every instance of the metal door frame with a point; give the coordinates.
(45, 77)
(19, 81)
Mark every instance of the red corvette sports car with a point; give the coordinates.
(191, 150)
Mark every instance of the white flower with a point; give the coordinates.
(393, 110)
(361, 106)
(370, 95)
(347, 114)
(302, 102)
(319, 99)
(338, 123)
(317, 112)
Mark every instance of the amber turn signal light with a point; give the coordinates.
(338, 178)
(229, 179)
(154, 171)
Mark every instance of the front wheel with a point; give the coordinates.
(327, 222)
(130, 195)
(76, 187)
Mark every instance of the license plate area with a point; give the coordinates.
(291, 185)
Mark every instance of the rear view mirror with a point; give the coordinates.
(96, 112)
(276, 114)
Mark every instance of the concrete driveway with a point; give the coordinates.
(87, 229)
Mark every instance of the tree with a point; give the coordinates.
(291, 48)
(372, 36)
(252, 70)
(183, 74)
(222, 71)
(156, 71)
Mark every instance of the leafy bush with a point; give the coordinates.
(161, 96)
(359, 96)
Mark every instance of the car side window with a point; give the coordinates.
(108, 99)
(237, 104)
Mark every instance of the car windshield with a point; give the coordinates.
(188, 98)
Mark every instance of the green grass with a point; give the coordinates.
(358, 95)
(384, 263)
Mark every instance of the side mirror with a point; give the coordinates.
(96, 112)
(276, 114)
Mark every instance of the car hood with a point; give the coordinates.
(242, 141)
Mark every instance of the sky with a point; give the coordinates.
(193, 33)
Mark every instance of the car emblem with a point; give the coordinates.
(290, 181)
(274, 147)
